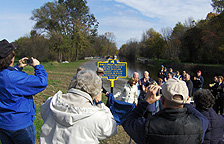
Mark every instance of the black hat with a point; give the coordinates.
(6, 48)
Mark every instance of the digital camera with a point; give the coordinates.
(159, 93)
(28, 61)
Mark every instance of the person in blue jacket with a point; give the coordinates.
(17, 88)
(177, 123)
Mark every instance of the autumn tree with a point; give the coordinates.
(132, 49)
(175, 43)
(123, 51)
(110, 44)
(191, 46)
(99, 46)
(34, 45)
(218, 5)
(166, 33)
(196, 42)
(66, 20)
(154, 43)
(211, 15)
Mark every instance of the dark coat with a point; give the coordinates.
(220, 92)
(145, 83)
(135, 122)
(190, 87)
(173, 126)
(199, 83)
(214, 133)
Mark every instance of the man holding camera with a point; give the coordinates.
(178, 122)
(17, 88)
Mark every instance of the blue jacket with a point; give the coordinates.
(119, 109)
(145, 83)
(135, 122)
(17, 88)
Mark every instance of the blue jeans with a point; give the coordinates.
(21, 136)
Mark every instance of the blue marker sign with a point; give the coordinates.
(113, 70)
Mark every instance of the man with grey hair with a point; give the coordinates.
(178, 122)
(72, 118)
(144, 82)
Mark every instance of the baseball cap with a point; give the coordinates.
(99, 70)
(6, 48)
(173, 87)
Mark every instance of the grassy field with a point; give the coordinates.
(59, 77)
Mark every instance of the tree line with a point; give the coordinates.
(65, 30)
(195, 42)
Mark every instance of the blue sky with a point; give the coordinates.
(126, 19)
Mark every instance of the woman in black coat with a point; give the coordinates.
(204, 101)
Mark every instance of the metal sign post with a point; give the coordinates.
(113, 70)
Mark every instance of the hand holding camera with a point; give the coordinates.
(25, 62)
(28, 61)
(151, 96)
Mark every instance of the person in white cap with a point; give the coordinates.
(177, 123)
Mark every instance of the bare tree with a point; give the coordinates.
(166, 33)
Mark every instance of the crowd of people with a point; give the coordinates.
(150, 111)
(197, 83)
(146, 123)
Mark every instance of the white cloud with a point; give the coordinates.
(124, 27)
(170, 11)
(129, 18)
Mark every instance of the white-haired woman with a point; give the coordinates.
(129, 93)
(72, 118)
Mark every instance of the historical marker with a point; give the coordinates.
(113, 70)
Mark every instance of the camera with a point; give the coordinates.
(191, 100)
(159, 93)
(28, 61)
